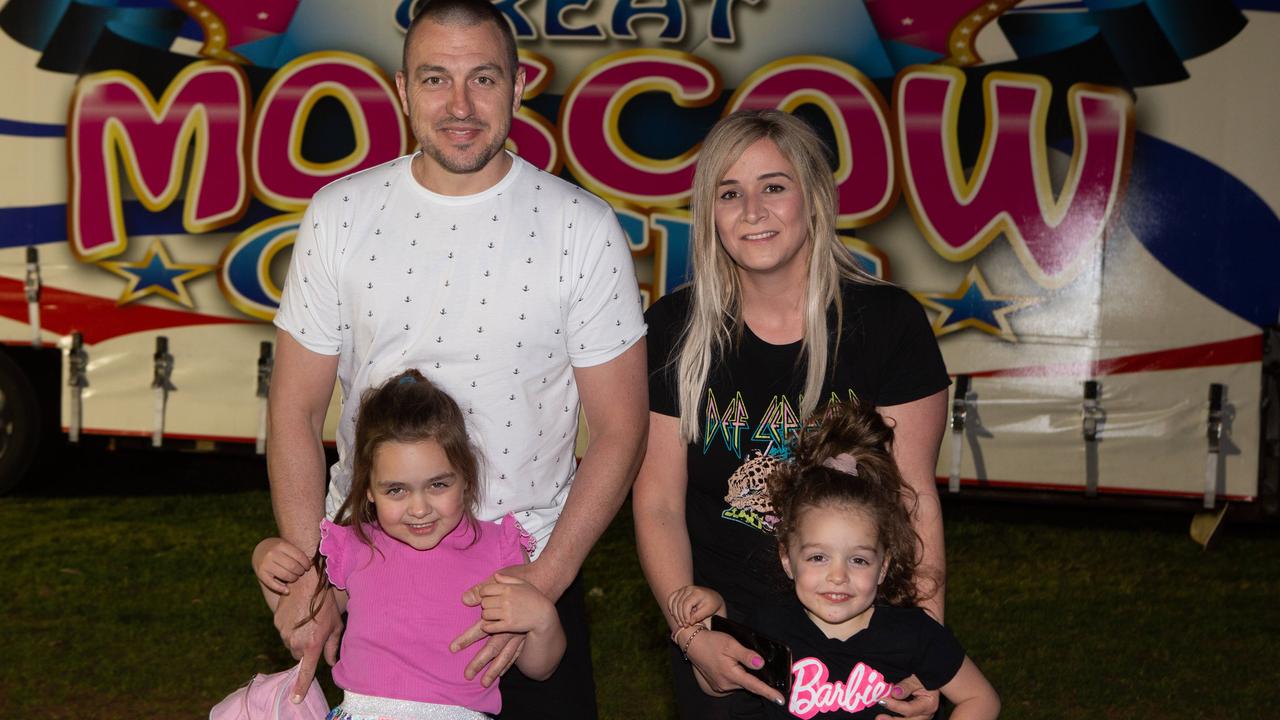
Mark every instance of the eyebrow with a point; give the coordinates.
(766, 176)
(442, 476)
(485, 68)
(817, 546)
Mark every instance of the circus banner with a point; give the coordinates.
(1082, 195)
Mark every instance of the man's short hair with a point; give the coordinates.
(461, 12)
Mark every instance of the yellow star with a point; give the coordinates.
(156, 274)
(973, 306)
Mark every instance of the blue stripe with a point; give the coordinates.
(30, 129)
(39, 224)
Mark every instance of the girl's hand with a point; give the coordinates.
(910, 700)
(278, 563)
(692, 604)
(511, 605)
(721, 663)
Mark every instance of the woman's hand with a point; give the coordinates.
(721, 664)
(915, 702)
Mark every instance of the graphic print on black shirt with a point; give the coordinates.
(747, 494)
(845, 678)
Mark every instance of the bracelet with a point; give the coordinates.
(685, 650)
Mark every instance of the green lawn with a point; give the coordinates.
(144, 607)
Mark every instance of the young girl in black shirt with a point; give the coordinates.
(846, 542)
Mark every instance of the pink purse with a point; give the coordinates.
(266, 697)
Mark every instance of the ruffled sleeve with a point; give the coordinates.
(334, 540)
(517, 544)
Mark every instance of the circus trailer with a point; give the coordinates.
(1081, 195)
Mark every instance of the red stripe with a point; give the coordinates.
(1226, 352)
(108, 432)
(97, 318)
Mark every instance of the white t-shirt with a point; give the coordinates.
(495, 297)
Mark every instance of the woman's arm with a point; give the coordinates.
(662, 540)
(973, 696)
(917, 432)
(657, 503)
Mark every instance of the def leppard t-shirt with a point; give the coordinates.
(750, 408)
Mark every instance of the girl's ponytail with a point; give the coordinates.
(844, 456)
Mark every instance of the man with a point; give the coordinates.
(511, 289)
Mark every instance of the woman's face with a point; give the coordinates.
(760, 215)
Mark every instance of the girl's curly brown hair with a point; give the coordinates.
(878, 489)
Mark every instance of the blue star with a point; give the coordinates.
(972, 305)
(156, 274)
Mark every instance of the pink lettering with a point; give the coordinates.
(1009, 191)
(532, 136)
(282, 177)
(864, 146)
(114, 112)
(812, 694)
(594, 150)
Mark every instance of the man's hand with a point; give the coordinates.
(308, 639)
(693, 603)
(910, 700)
(722, 663)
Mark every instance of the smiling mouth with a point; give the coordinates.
(760, 235)
(463, 131)
(421, 528)
(836, 597)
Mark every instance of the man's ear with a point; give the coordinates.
(518, 95)
(401, 91)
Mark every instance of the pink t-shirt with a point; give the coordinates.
(405, 607)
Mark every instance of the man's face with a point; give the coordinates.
(460, 96)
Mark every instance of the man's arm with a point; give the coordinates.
(301, 387)
(917, 432)
(615, 400)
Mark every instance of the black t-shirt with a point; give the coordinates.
(887, 356)
(898, 642)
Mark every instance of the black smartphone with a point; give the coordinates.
(776, 671)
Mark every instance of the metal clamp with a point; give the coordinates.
(161, 383)
(31, 286)
(959, 415)
(77, 380)
(1092, 418)
(265, 365)
(1092, 411)
(1214, 433)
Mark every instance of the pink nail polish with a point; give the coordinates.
(757, 662)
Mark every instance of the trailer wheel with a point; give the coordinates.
(19, 424)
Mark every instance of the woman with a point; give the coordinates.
(777, 320)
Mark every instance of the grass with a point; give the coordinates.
(142, 606)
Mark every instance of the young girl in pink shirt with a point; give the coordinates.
(401, 553)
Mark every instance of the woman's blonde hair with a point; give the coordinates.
(715, 317)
